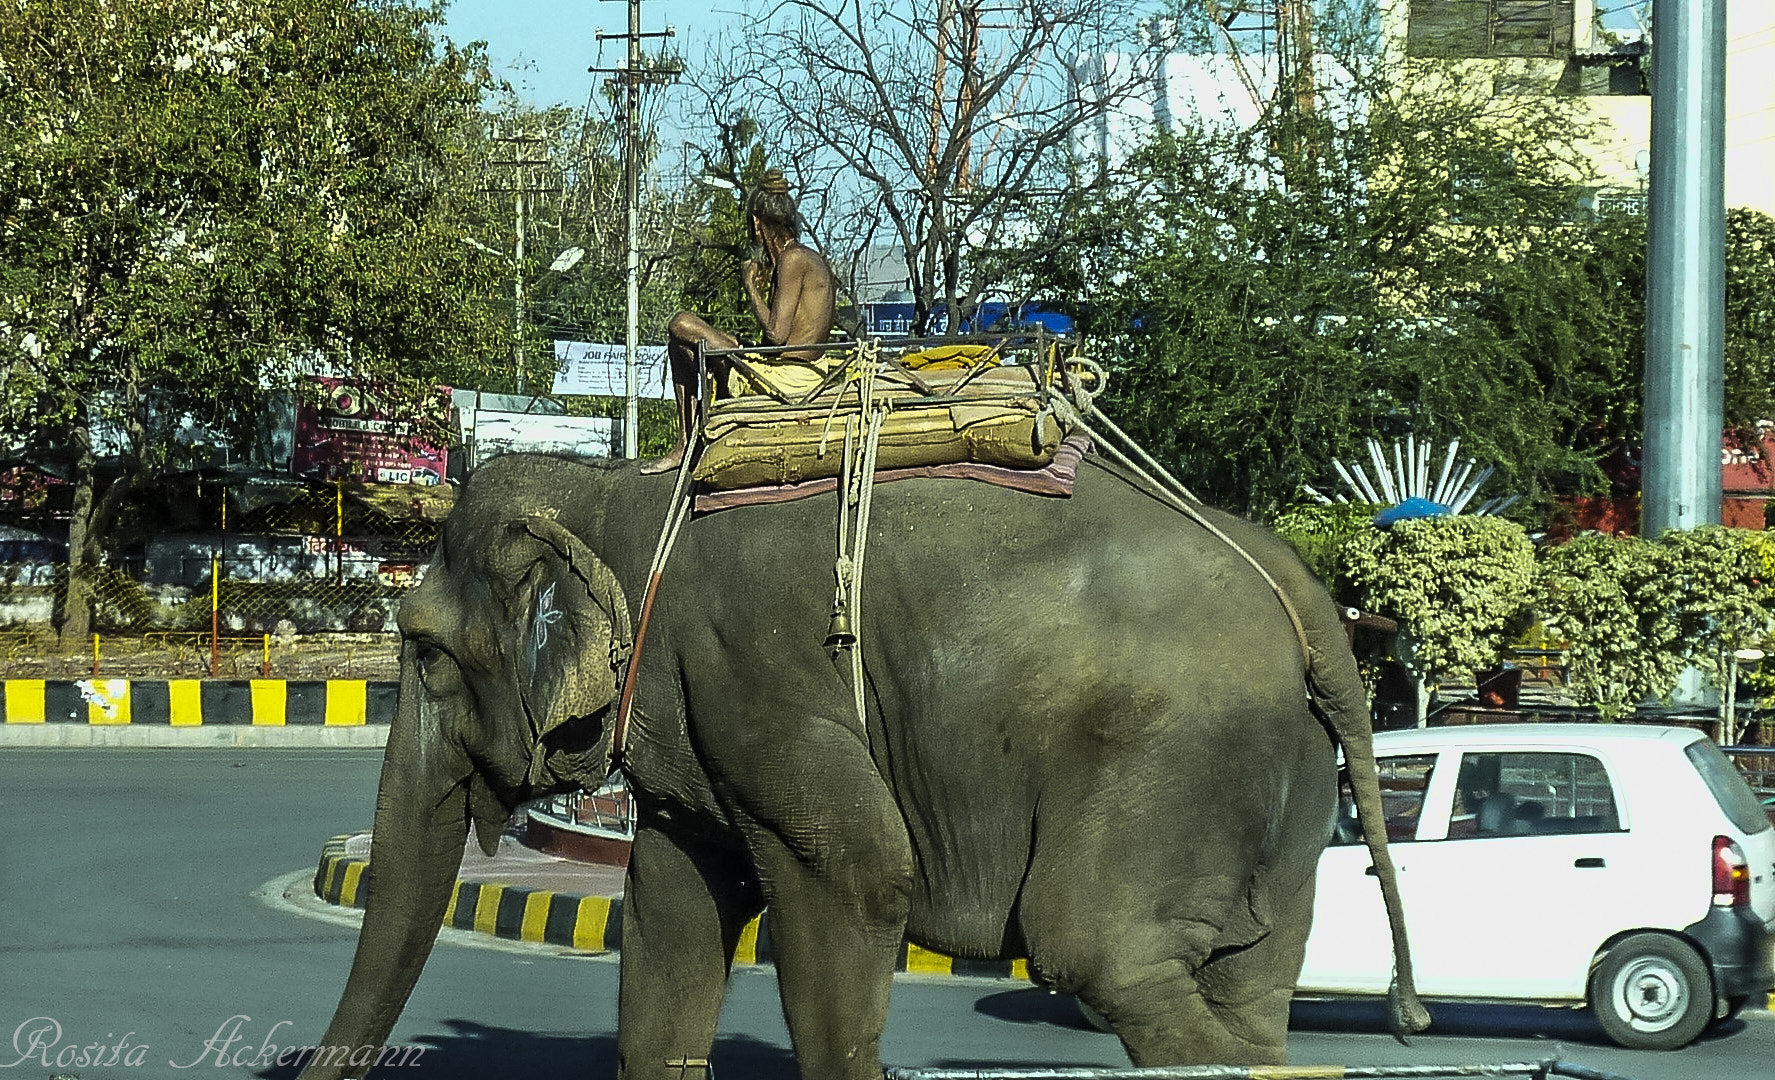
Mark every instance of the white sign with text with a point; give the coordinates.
(585, 367)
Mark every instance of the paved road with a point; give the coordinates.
(128, 919)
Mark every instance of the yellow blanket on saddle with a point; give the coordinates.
(948, 404)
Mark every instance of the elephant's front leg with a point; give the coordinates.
(684, 905)
(837, 867)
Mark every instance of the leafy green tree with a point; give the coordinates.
(567, 166)
(1750, 318)
(1575, 311)
(1269, 297)
(721, 240)
(202, 198)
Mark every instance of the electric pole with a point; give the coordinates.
(631, 77)
(522, 158)
(1685, 269)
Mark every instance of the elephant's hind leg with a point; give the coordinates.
(1159, 912)
(1157, 987)
(1214, 995)
(1250, 988)
(684, 906)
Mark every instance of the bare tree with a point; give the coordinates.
(934, 127)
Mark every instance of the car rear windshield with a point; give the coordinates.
(1728, 787)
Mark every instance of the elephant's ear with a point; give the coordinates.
(577, 632)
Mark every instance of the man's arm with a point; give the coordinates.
(778, 321)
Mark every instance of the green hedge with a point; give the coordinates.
(1634, 613)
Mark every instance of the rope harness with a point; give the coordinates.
(1082, 380)
(677, 512)
(857, 488)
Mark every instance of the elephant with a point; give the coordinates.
(1094, 734)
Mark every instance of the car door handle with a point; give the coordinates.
(1590, 863)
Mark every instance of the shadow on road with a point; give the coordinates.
(1361, 1016)
(1369, 1016)
(1466, 1019)
(1033, 1006)
(476, 1051)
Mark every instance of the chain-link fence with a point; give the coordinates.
(270, 579)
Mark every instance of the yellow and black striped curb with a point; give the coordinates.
(198, 702)
(590, 923)
(594, 923)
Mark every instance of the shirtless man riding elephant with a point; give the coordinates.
(799, 312)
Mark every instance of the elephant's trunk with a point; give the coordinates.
(421, 826)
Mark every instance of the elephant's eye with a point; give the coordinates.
(437, 669)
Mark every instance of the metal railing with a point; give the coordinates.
(607, 809)
(1536, 1070)
(1757, 763)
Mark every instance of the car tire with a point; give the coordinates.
(1651, 992)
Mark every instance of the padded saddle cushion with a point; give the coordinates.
(993, 416)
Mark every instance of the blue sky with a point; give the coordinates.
(543, 47)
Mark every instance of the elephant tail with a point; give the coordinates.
(1337, 696)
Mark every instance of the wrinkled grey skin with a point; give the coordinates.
(1092, 741)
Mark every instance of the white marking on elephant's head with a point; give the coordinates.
(547, 614)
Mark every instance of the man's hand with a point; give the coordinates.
(754, 275)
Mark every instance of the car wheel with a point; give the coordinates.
(1651, 992)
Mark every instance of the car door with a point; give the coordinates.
(1511, 898)
(1350, 948)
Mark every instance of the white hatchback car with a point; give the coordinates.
(1625, 867)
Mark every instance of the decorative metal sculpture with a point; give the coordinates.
(1405, 481)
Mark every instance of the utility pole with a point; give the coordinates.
(1685, 279)
(1685, 269)
(518, 294)
(1295, 27)
(631, 76)
(521, 158)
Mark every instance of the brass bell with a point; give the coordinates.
(839, 634)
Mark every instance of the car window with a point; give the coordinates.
(1728, 786)
(1531, 794)
(1404, 780)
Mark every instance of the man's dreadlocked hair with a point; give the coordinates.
(771, 204)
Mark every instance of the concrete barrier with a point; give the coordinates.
(195, 712)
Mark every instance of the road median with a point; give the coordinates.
(579, 920)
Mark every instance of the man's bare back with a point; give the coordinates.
(801, 300)
(799, 312)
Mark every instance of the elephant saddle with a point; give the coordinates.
(938, 405)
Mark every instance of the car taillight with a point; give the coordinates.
(1731, 874)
